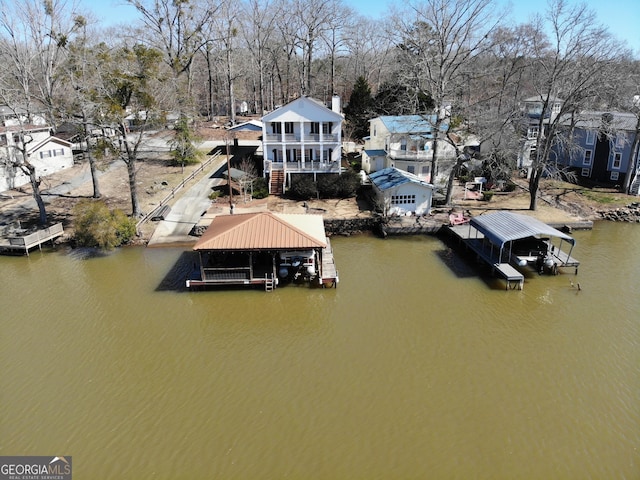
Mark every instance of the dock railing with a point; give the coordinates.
(178, 187)
(35, 239)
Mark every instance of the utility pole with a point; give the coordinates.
(226, 139)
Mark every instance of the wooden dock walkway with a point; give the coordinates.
(23, 243)
(490, 256)
(329, 272)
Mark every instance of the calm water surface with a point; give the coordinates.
(415, 366)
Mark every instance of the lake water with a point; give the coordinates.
(417, 366)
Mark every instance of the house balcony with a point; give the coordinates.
(413, 155)
(297, 138)
(302, 167)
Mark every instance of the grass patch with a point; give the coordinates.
(599, 197)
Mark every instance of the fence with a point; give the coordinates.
(172, 194)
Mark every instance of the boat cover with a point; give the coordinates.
(503, 227)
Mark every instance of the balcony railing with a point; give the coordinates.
(306, 167)
(397, 153)
(297, 138)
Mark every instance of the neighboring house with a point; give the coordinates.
(532, 111)
(249, 126)
(602, 147)
(48, 154)
(303, 136)
(400, 192)
(404, 142)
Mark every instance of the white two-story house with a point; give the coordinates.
(303, 136)
(48, 154)
(404, 142)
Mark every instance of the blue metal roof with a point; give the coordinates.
(393, 177)
(411, 124)
(502, 227)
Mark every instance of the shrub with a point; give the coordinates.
(302, 188)
(260, 188)
(487, 195)
(97, 226)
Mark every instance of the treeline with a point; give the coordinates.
(459, 59)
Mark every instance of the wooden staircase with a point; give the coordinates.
(276, 182)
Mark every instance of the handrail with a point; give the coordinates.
(202, 166)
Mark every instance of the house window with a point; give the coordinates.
(403, 199)
(411, 169)
(275, 154)
(591, 137)
(276, 128)
(288, 127)
(557, 107)
(426, 169)
(587, 157)
(374, 131)
(58, 152)
(615, 175)
(585, 172)
(403, 144)
(327, 127)
(617, 160)
(45, 154)
(315, 127)
(532, 132)
(620, 140)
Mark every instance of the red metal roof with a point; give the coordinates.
(261, 231)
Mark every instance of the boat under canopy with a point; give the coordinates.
(512, 233)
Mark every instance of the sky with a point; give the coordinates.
(622, 17)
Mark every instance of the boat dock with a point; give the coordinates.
(23, 243)
(490, 256)
(507, 242)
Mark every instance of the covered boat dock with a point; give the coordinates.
(264, 249)
(508, 241)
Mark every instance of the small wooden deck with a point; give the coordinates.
(23, 243)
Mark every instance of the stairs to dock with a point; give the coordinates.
(276, 182)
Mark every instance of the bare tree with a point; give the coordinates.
(258, 31)
(437, 47)
(130, 82)
(568, 73)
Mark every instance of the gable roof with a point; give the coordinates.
(410, 124)
(501, 227)
(392, 177)
(51, 139)
(303, 108)
(263, 231)
(251, 125)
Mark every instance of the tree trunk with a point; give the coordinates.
(35, 185)
(35, 182)
(632, 167)
(133, 187)
(534, 184)
(434, 159)
(92, 161)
